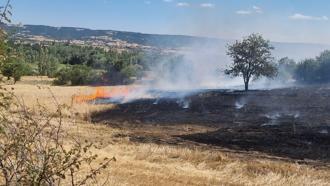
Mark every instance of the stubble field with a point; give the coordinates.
(142, 160)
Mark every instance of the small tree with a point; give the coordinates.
(13, 68)
(77, 75)
(252, 59)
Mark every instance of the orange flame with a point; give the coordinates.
(102, 93)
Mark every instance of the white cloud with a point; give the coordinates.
(257, 9)
(254, 10)
(182, 4)
(168, 1)
(299, 16)
(243, 12)
(207, 5)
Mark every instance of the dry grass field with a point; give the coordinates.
(164, 164)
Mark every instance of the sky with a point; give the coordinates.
(306, 21)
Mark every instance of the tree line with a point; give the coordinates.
(308, 71)
(75, 65)
(84, 65)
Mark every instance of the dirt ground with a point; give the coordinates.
(223, 138)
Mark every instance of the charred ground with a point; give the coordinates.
(292, 123)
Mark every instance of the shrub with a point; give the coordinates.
(33, 152)
(15, 69)
(77, 75)
(132, 71)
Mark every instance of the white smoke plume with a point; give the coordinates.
(199, 67)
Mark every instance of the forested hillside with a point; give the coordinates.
(121, 39)
(71, 33)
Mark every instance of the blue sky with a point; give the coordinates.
(277, 20)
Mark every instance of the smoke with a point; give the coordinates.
(184, 103)
(192, 69)
(239, 104)
(201, 66)
(324, 131)
(274, 118)
(201, 63)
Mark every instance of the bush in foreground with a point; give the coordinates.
(33, 152)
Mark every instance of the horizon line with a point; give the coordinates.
(166, 34)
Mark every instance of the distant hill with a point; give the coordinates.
(293, 50)
(72, 33)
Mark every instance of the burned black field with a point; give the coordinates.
(292, 123)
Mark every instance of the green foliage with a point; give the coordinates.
(77, 75)
(132, 70)
(12, 68)
(251, 59)
(324, 63)
(311, 71)
(63, 76)
(50, 60)
(47, 64)
(306, 71)
(81, 75)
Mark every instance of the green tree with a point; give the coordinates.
(77, 75)
(324, 61)
(7, 70)
(13, 68)
(62, 76)
(307, 71)
(251, 59)
(5, 13)
(47, 64)
(80, 75)
(315, 70)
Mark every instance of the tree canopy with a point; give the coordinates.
(111, 66)
(252, 59)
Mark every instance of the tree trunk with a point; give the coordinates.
(246, 86)
(246, 82)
